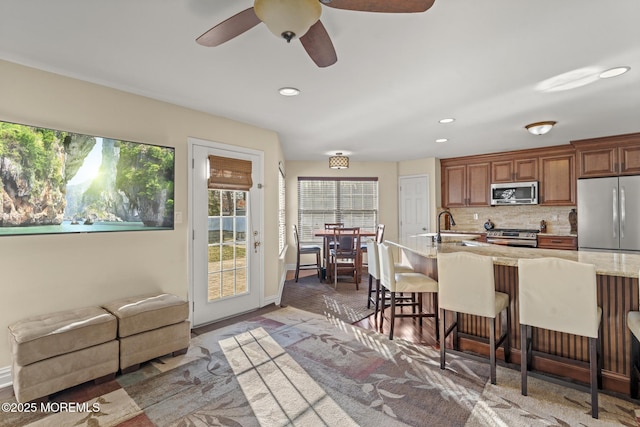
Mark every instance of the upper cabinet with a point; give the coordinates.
(557, 177)
(608, 156)
(466, 181)
(514, 169)
(465, 184)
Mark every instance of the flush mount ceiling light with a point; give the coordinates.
(540, 128)
(338, 161)
(614, 72)
(288, 19)
(289, 91)
(449, 120)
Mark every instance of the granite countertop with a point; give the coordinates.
(607, 263)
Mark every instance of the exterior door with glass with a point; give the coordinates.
(226, 256)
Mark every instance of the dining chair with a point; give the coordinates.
(345, 254)
(467, 285)
(397, 283)
(306, 250)
(560, 295)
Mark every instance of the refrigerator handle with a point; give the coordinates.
(623, 212)
(615, 213)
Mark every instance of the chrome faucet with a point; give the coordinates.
(438, 237)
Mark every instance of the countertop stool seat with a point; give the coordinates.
(150, 326)
(59, 350)
(396, 284)
(633, 322)
(467, 285)
(560, 295)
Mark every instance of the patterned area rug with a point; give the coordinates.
(344, 303)
(291, 367)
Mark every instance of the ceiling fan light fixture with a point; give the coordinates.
(339, 161)
(288, 19)
(540, 128)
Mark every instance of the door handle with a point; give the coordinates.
(623, 212)
(614, 223)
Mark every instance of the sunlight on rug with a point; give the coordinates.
(278, 389)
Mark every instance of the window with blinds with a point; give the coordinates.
(352, 201)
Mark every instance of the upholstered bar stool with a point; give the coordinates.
(633, 322)
(560, 295)
(467, 285)
(396, 283)
(306, 250)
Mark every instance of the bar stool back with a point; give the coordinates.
(467, 285)
(560, 295)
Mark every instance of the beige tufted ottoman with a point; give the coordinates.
(150, 326)
(56, 351)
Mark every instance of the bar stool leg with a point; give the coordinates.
(593, 365)
(492, 348)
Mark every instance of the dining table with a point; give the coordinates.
(327, 234)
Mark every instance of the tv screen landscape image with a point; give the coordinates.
(54, 181)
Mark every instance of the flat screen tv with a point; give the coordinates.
(53, 181)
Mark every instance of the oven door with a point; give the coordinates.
(528, 243)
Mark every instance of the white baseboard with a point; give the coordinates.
(5, 377)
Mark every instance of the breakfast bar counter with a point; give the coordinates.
(555, 353)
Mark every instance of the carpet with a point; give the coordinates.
(344, 303)
(290, 367)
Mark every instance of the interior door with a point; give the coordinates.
(414, 205)
(226, 230)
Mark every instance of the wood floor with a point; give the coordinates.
(405, 328)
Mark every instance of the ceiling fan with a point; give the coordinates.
(300, 19)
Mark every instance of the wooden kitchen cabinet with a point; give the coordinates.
(608, 156)
(558, 242)
(514, 170)
(465, 184)
(557, 177)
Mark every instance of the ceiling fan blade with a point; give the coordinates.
(318, 45)
(230, 28)
(404, 6)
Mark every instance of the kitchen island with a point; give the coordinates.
(555, 353)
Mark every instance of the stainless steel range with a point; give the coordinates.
(513, 237)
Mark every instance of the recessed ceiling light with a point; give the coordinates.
(613, 72)
(289, 91)
(441, 140)
(449, 120)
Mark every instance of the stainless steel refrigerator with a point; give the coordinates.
(609, 213)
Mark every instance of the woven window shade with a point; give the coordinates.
(230, 174)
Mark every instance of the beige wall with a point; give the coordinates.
(48, 273)
(387, 173)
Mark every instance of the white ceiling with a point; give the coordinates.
(396, 75)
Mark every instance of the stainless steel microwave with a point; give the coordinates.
(515, 193)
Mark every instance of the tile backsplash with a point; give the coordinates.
(521, 216)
